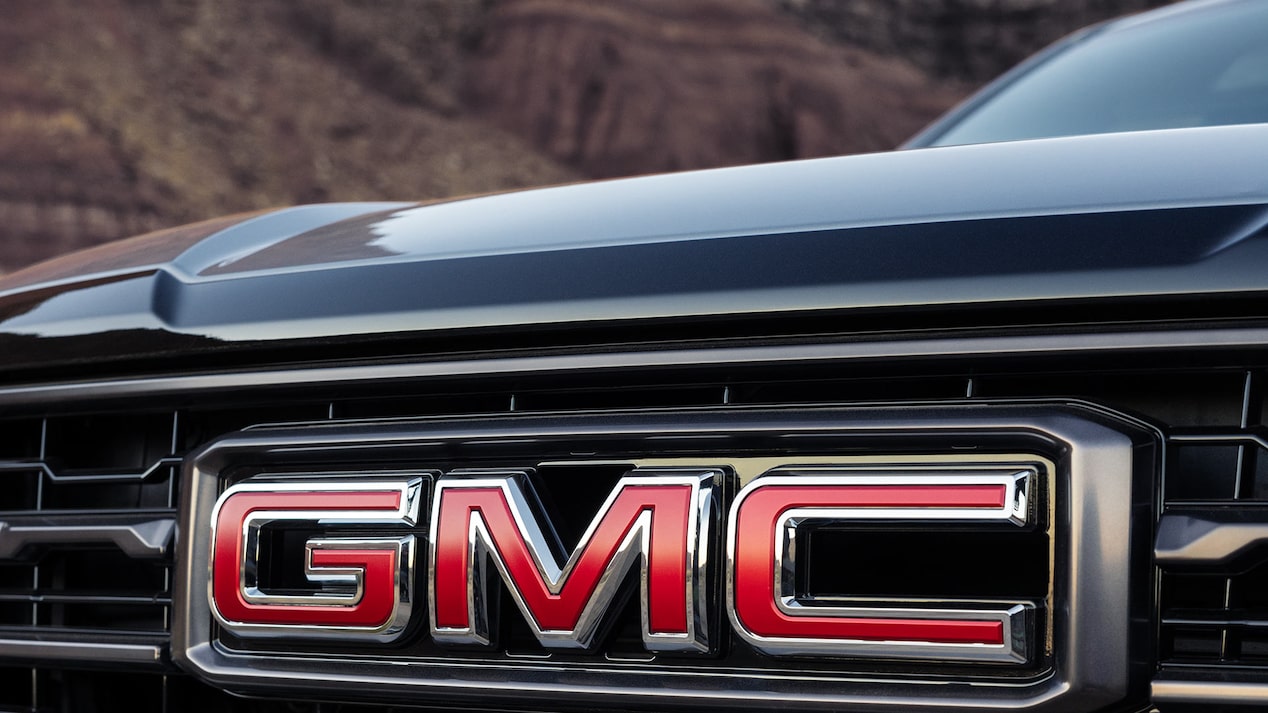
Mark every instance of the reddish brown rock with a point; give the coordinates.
(121, 117)
(118, 117)
(621, 88)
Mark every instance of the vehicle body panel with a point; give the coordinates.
(1180, 212)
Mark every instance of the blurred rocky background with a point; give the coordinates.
(123, 116)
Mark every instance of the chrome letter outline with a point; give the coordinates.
(762, 600)
(657, 520)
(363, 585)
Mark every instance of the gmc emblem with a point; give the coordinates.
(965, 557)
(484, 529)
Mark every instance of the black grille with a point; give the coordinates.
(62, 470)
(76, 470)
(94, 469)
(115, 458)
(1216, 618)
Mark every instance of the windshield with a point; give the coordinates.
(1204, 67)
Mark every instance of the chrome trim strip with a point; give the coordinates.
(1208, 693)
(1225, 438)
(1188, 540)
(146, 538)
(307, 378)
(140, 476)
(27, 650)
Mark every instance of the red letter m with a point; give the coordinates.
(658, 520)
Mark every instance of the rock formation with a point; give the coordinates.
(118, 116)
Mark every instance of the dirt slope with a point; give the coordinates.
(118, 117)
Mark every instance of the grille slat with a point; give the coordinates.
(1211, 614)
(39, 597)
(85, 527)
(1233, 619)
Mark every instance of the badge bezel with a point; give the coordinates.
(1093, 452)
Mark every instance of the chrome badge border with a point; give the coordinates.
(1095, 452)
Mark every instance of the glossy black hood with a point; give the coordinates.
(1178, 214)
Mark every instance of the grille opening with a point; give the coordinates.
(107, 444)
(104, 615)
(19, 490)
(198, 427)
(15, 688)
(624, 640)
(1178, 399)
(283, 568)
(1180, 591)
(31, 690)
(182, 694)
(20, 440)
(1193, 644)
(100, 692)
(1250, 589)
(429, 405)
(1254, 647)
(15, 576)
(571, 497)
(622, 636)
(1201, 472)
(15, 613)
(936, 562)
(91, 589)
(90, 495)
(100, 571)
(649, 397)
(515, 636)
(850, 390)
(1259, 466)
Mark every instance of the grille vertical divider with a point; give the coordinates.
(1227, 636)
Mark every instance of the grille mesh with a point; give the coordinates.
(1217, 620)
(67, 467)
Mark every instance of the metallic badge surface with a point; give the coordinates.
(656, 521)
(361, 586)
(762, 599)
(649, 559)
